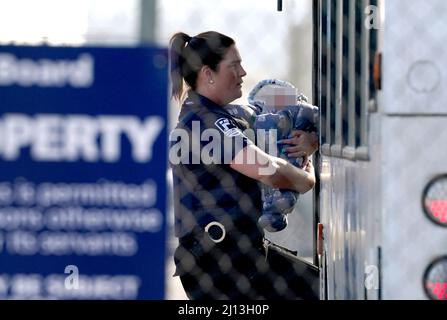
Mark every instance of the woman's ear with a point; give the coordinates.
(207, 74)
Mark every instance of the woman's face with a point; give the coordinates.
(228, 77)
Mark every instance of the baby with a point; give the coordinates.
(279, 110)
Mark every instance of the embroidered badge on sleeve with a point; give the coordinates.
(228, 128)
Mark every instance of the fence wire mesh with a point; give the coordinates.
(378, 241)
(272, 45)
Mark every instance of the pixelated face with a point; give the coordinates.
(228, 77)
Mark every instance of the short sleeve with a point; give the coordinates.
(221, 139)
(210, 139)
(232, 139)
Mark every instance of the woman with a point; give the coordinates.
(216, 170)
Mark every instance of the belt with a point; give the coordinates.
(199, 244)
(225, 241)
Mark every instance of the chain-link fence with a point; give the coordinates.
(382, 125)
(272, 44)
(380, 97)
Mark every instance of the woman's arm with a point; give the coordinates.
(275, 172)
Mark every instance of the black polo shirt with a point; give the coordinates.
(206, 189)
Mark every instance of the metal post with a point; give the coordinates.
(279, 6)
(147, 21)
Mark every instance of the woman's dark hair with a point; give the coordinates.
(188, 56)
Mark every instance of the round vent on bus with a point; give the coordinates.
(435, 280)
(435, 200)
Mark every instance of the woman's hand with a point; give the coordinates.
(303, 144)
(309, 168)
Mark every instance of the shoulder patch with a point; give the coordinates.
(228, 128)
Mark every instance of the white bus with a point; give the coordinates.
(380, 77)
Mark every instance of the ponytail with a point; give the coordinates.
(178, 43)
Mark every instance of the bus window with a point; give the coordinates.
(330, 118)
(358, 32)
(322, 51)
(345, 86)
(346, 104)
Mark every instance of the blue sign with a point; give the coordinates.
(83, 153)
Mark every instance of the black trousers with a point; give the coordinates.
(234, 273)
